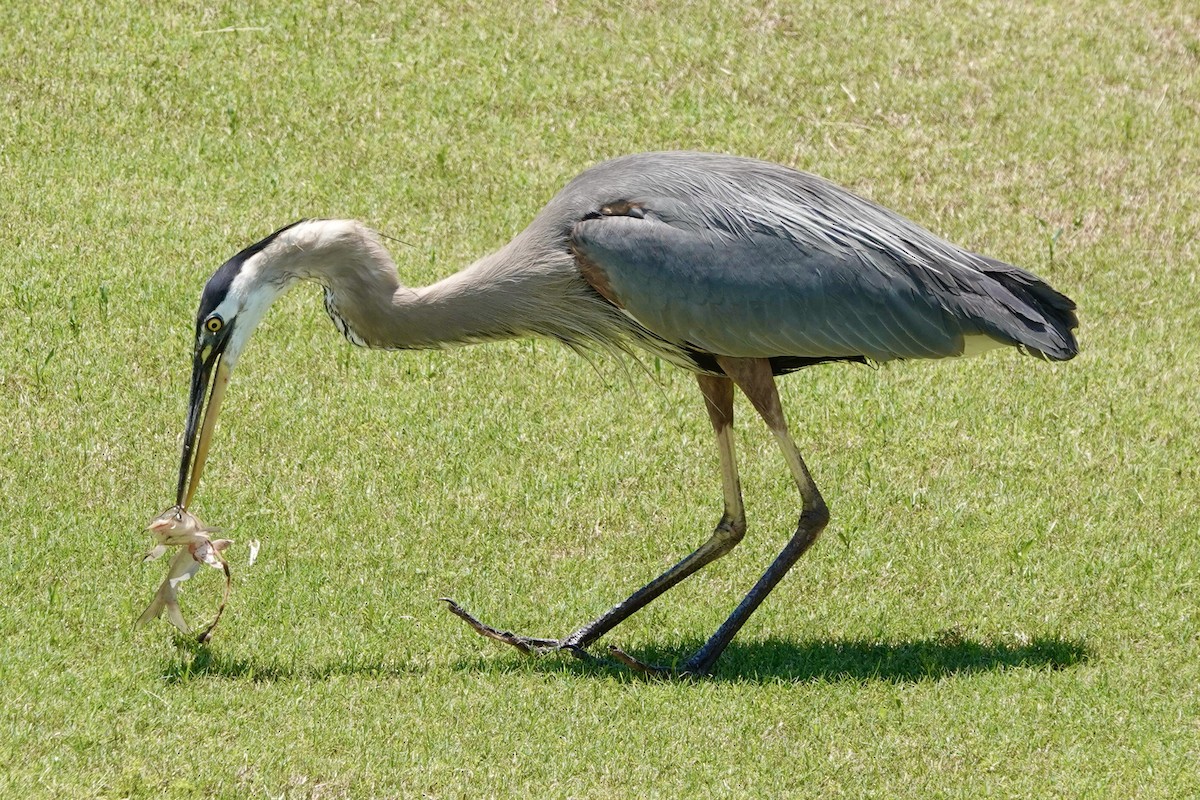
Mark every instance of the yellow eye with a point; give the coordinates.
(213, 324)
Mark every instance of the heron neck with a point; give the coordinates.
(501, 296)
(371, 307)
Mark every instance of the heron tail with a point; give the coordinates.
(1025, 311)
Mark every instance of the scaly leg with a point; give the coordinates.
(718, 397)
(754, 378)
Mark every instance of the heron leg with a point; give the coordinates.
(718, 397)
(754, 378)
(718, 400)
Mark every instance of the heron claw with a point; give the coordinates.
(526, 644)
(653, 670)
(534, 646)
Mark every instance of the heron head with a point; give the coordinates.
(234, 301)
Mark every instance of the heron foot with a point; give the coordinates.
(690, 669)
(695, 667)
(530, 645)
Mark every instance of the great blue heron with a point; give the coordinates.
(736, 269)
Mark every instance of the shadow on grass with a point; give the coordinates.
(199, 661)
(944, 655)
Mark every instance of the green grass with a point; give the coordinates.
(1004, 605)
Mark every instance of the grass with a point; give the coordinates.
(1004, 605)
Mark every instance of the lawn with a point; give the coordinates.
(1004, 605)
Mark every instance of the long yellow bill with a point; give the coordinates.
(197, 436)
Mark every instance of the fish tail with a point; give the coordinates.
(175, 616)
(153, 610)
(164, 599)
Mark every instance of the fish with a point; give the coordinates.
(176, 527)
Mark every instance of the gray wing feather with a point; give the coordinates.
(744, 258)
(762, 295)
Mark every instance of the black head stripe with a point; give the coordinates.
(218, 285)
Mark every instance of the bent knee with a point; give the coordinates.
(815, 517)
(728, 533)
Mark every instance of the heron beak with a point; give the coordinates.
(209, 369)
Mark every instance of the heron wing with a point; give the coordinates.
(784, 263)
(758, 293)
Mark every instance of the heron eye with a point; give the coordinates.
(213, 324)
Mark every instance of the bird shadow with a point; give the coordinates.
(196, 661)
(945, 655)
(941, 656)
